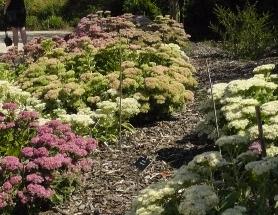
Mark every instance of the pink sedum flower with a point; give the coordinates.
(41, 152)
(7, 186)
(9, 106)
(34, 178)
(39, 191)
(27, 152)
(15, 180)
(11, 163)
(23, 198)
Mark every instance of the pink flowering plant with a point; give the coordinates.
(46, 168)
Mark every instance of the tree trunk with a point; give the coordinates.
(175, 10)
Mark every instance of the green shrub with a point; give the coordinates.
(32, 22)
(245, 33)
(54, 22)
(142, 7)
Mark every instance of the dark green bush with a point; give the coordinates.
(198, 14)
(54, 22)
(32, 22)
(143, 7)
(245, 33)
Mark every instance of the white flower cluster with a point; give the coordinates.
(236, 101)
(184, 176)
(205, 161)
(130, 107)
(149, 199)
(270, 131)
(218, 90)
(198, 200)
(271, 150)
(11, 93)
(233, 140)
(80, 119)
(263, 166)
(264, 69)
(237, 210)
(240, 86)
(150, 210)
(270, 108)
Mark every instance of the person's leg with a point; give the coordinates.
(15, 36)
(23, 35)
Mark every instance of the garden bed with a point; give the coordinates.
(110, 188)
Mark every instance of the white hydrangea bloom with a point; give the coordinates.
(15, 94)
(253, 132)
(198, 200)
(263, 166)
(231, 107)
(237, 210)
(271, 150)
(270, 108)
(233, 140)
(112, 92)
(267, 68)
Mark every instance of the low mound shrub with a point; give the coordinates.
(159, 77)
(137, 29)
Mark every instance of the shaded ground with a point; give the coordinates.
(112, 185)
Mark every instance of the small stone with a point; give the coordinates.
(82, 207)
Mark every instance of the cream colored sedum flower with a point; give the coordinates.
(184, 176)
(198, 200)
(271, 150)
(270, 108)
(267, 68)
(211, 159)
(233, 140)
(218, 90)
(263, 166)
(150, 210)
(239, 124)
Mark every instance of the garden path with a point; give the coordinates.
(30, 35)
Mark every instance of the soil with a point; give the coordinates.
(114, 181)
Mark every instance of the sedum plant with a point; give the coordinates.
(39, 164)
(236, 103)
(159, 77)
